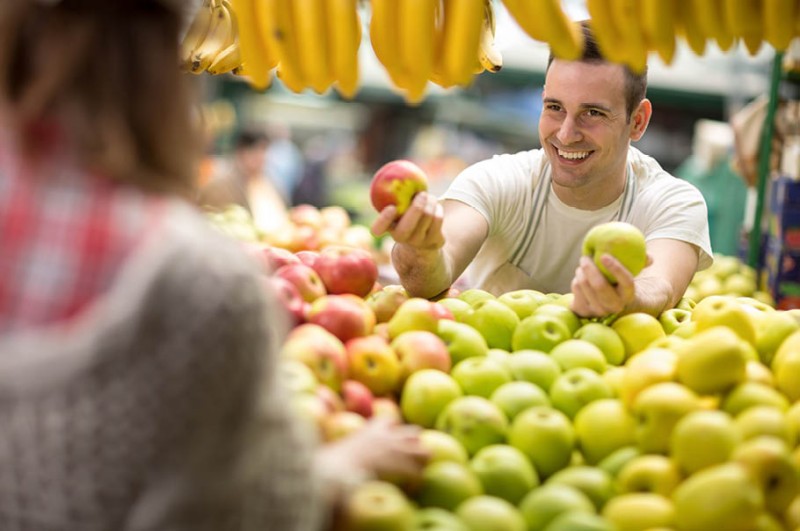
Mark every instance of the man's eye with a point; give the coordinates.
(594, 113)
(553, 107)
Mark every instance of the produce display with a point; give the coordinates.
(314, 44)
(535, 418)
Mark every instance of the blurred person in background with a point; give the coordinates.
(518, 220)
(138, 346)
(284, 164)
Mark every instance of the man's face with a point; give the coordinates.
(584, 127)
(253, 158)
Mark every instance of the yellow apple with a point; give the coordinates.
(486, 513)
(770, 462)
(637, 330)
(657, 409)
(757, 421)
(638, 511)
(542, 505)
(649, 367)
(712, 361)
(606, 338)
(652, 473)
(623, 241)
(723, 310)
(377, 505)
(702, 439)
(577, 353)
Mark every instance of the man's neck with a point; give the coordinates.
(600, 194)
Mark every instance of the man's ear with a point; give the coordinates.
(640, 119)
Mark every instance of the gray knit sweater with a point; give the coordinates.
(159, 408)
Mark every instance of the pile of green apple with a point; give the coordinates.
(728, 275)
(537, 419)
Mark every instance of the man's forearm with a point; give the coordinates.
(653, 296)
(423, 273)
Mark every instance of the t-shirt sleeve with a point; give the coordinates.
(497, 187)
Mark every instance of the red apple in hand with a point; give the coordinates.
(396, 183)
(346, 270)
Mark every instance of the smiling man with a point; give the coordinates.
(518, 220)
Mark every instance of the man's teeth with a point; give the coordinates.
(573, 155)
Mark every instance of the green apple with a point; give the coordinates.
(793, 514)
(437, 519)
(686, 303)
(480, 375)
(757, 372)
(414, 314)
(535, 367)
(758, 421)
(637, 330)
(580, 521)
(539, 332)
(792, 417)
(674, 317)
(773, 328)
(614, 462)
(495, 321)
(445, 484)
(724, 310)
(770, 461)
(474, 421)
(459, 308)
(297, 377)
(378, 505)
(499, 355)
(567, 316)
(720, 497)
(546, 436)
(473, 295)
(542, 505)
(637, 511)
(505, 472)
(488, 513)
(657, 409)
(523, 301)
(786, 368)
(517, 396)
(670, 342)
(685, 330)
(613, 377)
(602, 428)
(653, 473)
(425, 394)
(574, 353)
(595, 483)
(606, 338)
(748, 394)
(575, 388)
(649, 367)
(702, 439)
(712, 361)
(462, 340)
(623, 241)
(442, 447)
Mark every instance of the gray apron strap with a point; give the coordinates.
(541, 193)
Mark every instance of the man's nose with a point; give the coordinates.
(569, 131)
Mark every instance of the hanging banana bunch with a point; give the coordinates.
(545, 20)
(211, 43)
(446, 42)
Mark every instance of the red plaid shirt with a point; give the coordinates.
(64, 234)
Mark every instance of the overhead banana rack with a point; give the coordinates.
(313, 44)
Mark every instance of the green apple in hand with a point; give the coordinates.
(621, 240)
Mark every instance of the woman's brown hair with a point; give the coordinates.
(105, 74)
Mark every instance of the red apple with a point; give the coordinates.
(420, 349)
(302, 238)
(335, 216)
(396, 183)
(346, 270)
(345, 316)
(308, 283)
(386, 301)
(341, 424)
(331, 400)
(307, 215)
(374, 363)
(289, 297)
(308, 257)
(269, 257)
(320, 350)
(386, 407)
(357, 398)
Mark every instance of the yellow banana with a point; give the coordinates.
(605, 30)
(779, 22)
(194, 36)
(523, 12)
(744, 20)
(626, 15)
(658, 26)
(220, 35)
(564, 36)
(417, 23)
(255, 59)
(688, 26)
(344, 37)
(283, 40)
(226, 60)
(384, 34)
(710, 18)
(489, 58)
(463, 21)
(310, 19)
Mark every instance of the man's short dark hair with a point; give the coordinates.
(247, 138)
(635, 83)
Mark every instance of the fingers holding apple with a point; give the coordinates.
(594, 295)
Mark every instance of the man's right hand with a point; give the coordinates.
(419, 227)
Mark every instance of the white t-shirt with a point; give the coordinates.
(521, 252)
